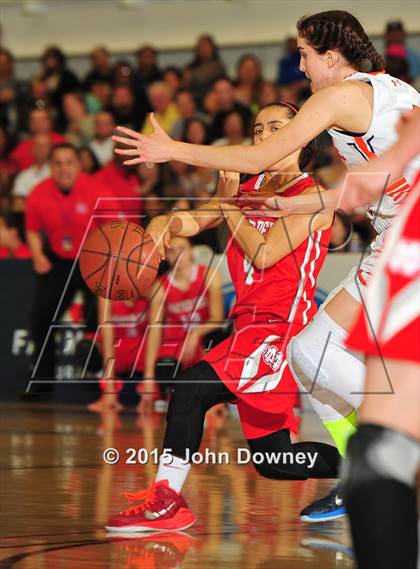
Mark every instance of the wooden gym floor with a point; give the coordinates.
(57, 492)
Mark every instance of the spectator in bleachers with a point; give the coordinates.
(53, 80)
(149, 176)
(268, 94)
(172, 76)
(248, 81)
(39, 122)
(88, 161)
(79, 123)
(147, 71)
(187, 109)
(8, 168)
(59, 209)
(125, 108)
(205, 68)
(30, 177)
(291, 80)
(395, 36)
(101, 67)
(225, 97)
(123, 74)
(234, 130)
(99, 96)
(123, 183)
(12, 94)
(12, 245)
(211, 105)
(165, 110)
(102, 143)
(396, 62)
(195, 131)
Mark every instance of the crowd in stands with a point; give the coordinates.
(199, 103)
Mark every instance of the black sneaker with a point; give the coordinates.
(325, 509)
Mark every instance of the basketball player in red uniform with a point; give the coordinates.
(186, 304)
(274, 266)
(123, 327)
(383, 460)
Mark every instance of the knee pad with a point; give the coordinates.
(376, 453)
(318, 359)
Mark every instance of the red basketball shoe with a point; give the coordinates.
(161, 509)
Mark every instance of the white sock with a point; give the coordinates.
(173, 469)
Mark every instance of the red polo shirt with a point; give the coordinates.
(65, 218)
(123, 184)
(22, 154)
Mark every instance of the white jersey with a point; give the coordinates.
(391, 97)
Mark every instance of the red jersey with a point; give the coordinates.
(285, 291)
(389, 324)
(130, 324)
(183, 309)
(22, 154)
(64, 218)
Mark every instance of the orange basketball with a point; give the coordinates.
(119, 260)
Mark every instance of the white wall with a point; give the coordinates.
(78, 25)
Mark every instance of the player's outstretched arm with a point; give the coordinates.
(328, 107)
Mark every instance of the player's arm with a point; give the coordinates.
(285, 235)
(183, 224)
(343, 106)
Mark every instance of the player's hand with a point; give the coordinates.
(41, 264)
(159, 231)
(138, 148)
(148, 390)
(258, 203)
(228, 186)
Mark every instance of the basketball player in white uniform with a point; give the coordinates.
(360, 110)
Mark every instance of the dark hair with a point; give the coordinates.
(255, 60)
(215, 57)
(337, 29)
(56, 52)
(187, 125)
(63, 146)
(308, 152)
(96, 163)
(173, 69)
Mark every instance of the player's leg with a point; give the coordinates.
(162, 507)
(321, 365)
(268, 436)
(331, 377)
(379, 474)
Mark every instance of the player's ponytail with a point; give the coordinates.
(337, 29)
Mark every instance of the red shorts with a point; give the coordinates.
(252, 364)
(172, 346)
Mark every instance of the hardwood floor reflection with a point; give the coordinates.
(57, 492)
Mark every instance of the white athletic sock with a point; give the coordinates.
(174, 470)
